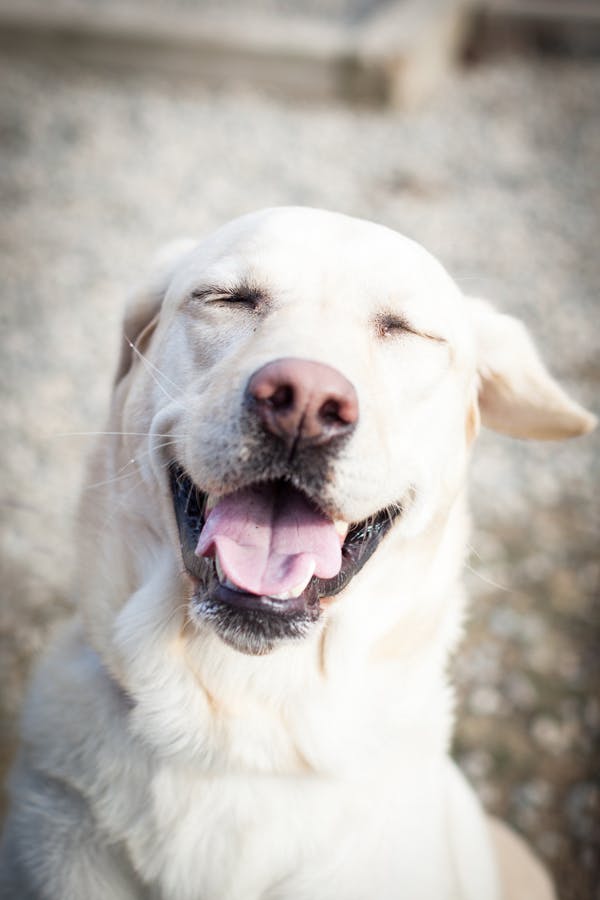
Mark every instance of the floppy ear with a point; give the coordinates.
(517, 394)
(143, 309)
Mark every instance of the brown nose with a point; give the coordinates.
(303, 402)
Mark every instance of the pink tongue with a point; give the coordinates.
(270, 540)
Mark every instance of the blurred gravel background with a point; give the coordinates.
(499, 176)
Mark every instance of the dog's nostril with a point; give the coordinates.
(330, 413)
(282, 398)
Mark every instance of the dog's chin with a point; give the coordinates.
(254, 623)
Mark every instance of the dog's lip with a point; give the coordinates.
(254, 602)
(360, 540)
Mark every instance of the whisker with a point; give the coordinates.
(116, 508)
(472, 551)
(152, 369)
(115, 433)
(118, 476)
(486, 580)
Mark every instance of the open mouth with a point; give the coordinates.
(265, 555)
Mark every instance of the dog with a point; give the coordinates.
(253, 701)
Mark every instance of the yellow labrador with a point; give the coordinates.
(253, 704)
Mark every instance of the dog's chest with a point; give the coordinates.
(291, 838)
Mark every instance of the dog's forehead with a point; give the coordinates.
(306, 229)
(302, 246)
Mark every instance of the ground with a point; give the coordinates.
(498, 176)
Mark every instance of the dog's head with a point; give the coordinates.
(291, 389)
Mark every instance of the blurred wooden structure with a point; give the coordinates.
(395, 54)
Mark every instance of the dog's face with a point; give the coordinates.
(309, 382)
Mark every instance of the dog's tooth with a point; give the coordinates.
(211, 502)
(292, 594)
(341, 527)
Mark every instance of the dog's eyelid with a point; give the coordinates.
(242, 295)
(216, 295)
(388, 324)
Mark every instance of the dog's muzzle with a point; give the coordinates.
(264, 555)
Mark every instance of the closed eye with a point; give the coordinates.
(388, 325)
(244, 295)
